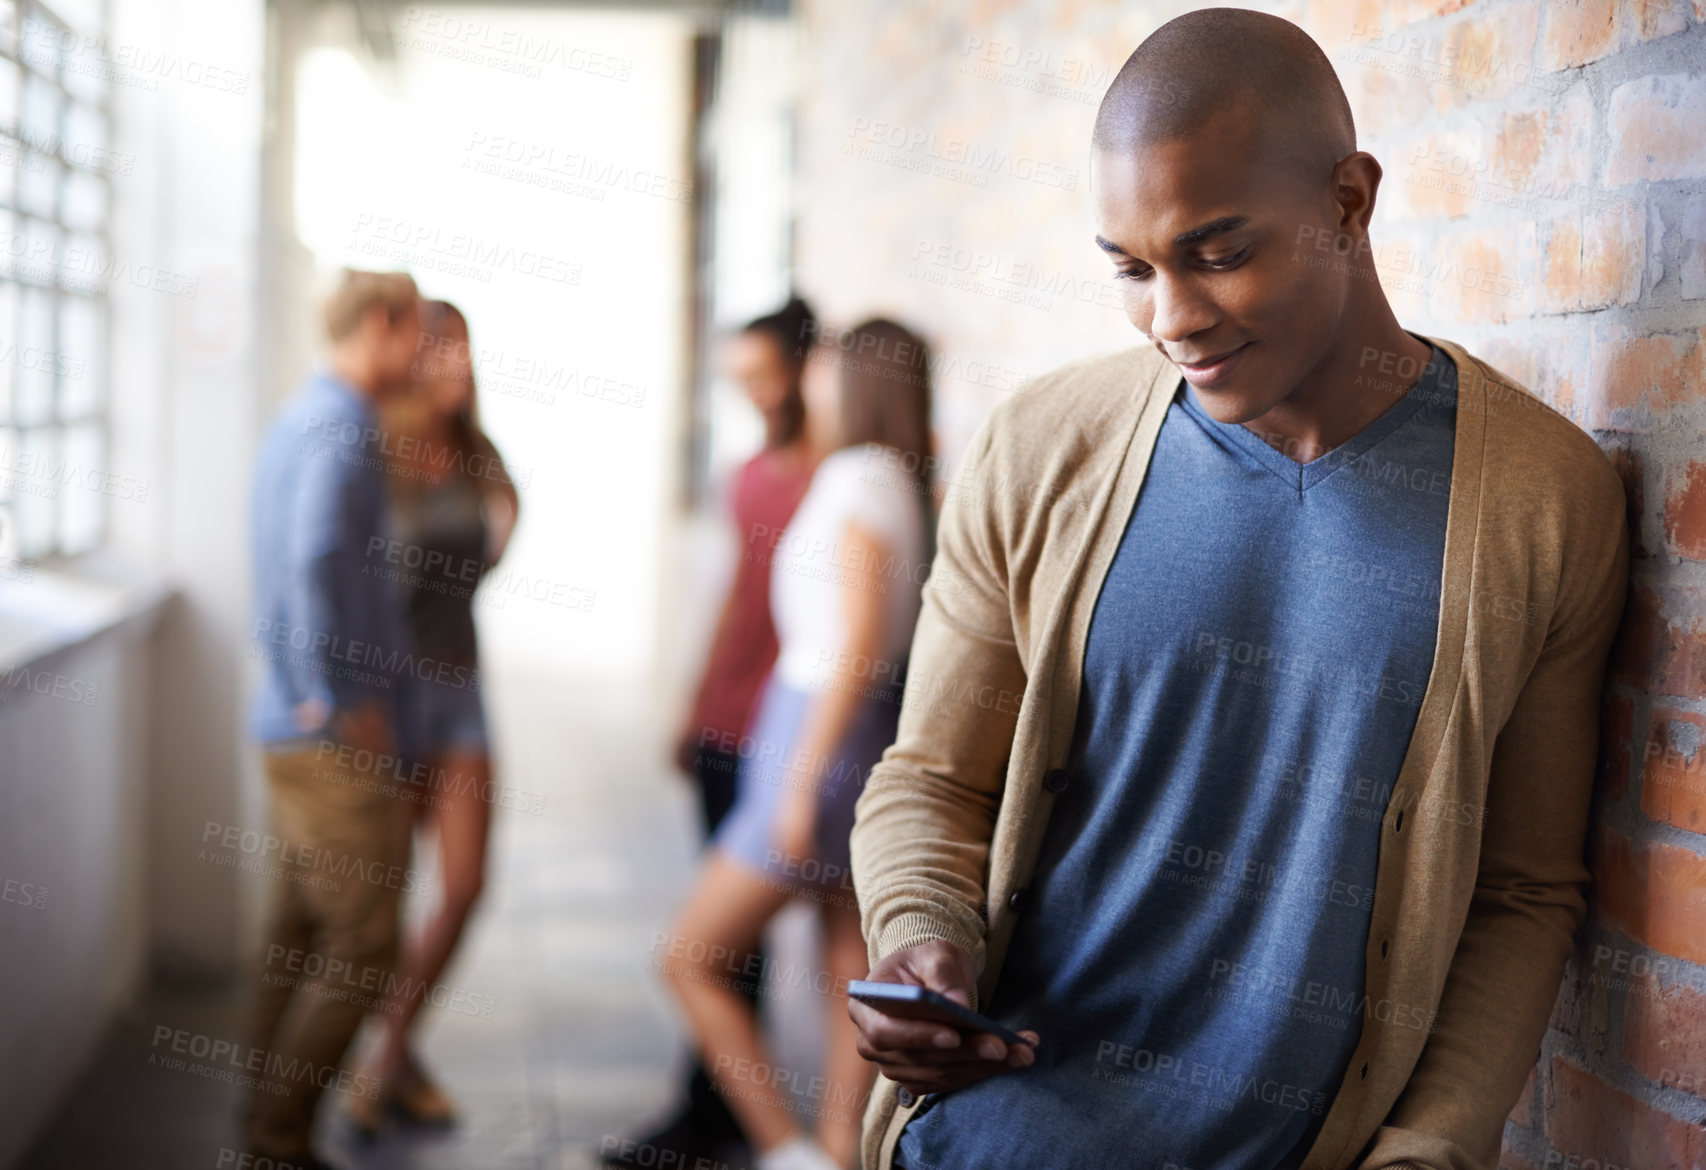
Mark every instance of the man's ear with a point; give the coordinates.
(376, 320)
(1356, 183)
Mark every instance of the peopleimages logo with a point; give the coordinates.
(313, 646)
(295, 858)
(245, 1058)
(45, 44)
(401, 239)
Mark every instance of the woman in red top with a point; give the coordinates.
(766, 358)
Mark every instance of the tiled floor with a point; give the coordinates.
(583, 1041)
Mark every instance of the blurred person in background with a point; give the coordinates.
(845, 590)
(327, 704)
(453, 508)
(766, 359)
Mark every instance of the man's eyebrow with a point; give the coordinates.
(1196, 235)
(1214, 227)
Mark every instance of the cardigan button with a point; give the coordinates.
(905, 1097)
(1398, 825)
(1016, 900)
(1055, 780)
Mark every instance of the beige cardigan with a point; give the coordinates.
(1481, 876)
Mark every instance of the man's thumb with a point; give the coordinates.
(942, 973)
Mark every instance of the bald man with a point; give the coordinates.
(1270, 840)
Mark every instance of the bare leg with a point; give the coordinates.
(462, 819)
(721, 925)
(849, 1076)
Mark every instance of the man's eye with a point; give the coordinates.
(1230, 261)
(1130, 273)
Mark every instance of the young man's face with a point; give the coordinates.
(393, 345)
(1205, 243)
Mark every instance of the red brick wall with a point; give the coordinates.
(1544, 203)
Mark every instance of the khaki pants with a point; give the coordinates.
(331, 936)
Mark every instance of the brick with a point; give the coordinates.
(1404, 12)
(1661, 645)
(1490, 53)
(1540, 156)
(1522, 1113)
(1519, 143)
(1692, 272)
(1638, 378)
(1685, 511)
(1445, 175)
(1652, 892)
(1471, 277)
(1384, 84)
(1616, 728)
(1673, 769)
(1564, 377)
(1614, 256)
(1335, 23)
(1561, 264)
(1589, 1118)
(1578, 31)
(1664, 1035)
(1517, 358)
(1567, 1010)
(1649, 20)
(1401, 259)
(1654, 125)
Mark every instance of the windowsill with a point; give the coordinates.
(50, 608)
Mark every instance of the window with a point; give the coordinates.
(55, 160)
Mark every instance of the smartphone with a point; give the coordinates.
(907, 1002)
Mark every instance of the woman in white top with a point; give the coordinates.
(845, 591)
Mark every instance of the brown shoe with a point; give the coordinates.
(366, 1114)
(419, 1102)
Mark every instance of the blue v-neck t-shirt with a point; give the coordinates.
(1192, 946)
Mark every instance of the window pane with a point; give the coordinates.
(35, 484)
(38, 185)
(41, 256)
(38, 45)
(86, 73)
(38, 113)
(84, 16)
(85, 141)
(13, 159)
(8, 349)
(85, 201)
(81, 499)
(84, 265)
(12, 247)
(8, 26)
(55, 203)
(8, 95)
(34, 386)
(77, 364)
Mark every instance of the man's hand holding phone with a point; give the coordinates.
(928, 1057)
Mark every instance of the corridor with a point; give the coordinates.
(581, 1042)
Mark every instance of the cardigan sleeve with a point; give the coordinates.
(921, 838)
(1528, 898)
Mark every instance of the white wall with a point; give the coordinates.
(102, 801)
(72, 921)
(186, 416)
